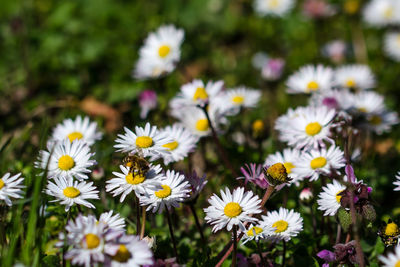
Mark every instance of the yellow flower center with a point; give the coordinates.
(74, 136)
(278, 172)
(238, 99)
(351, 6)
(232, 209)
(258, 125)
(163, 193)
(66, 163)
(253, 229)
(123, 254)
(71, 192)
(375, 120)
(391, 229)
(200, 93)
(312, 86)
(144, 141)
(135, 179)
(164, 50)
(388, 13)
(339, 197)
(273, 3)
(202, 125)
(280, 226)
(92, 241)
(351, 83)
(318, 163)
(1, 183)
(288, 166)
(171, 146)
(313, 128)
(397, 264)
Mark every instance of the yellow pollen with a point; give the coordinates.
(164, 50)
(137, 179)
(313, 128)
(312, 86)
(351, 83)
(388, 13)
(397, 264)
(318, 163)
(253, 229)
(278, 172)
(258, 125)
(144, 141)
(338, 197)
(123, 254)
(238, 99)
(74, 136)
(375, 120)
(171, 146)
(232, 209)
(71, 192)
(200, 93)
(391, 229)
(1, 183)
(202, 125)
(273, 3)
(92, 241)
(163, 193)
(280, 226)
(288, 166)
(66, 163)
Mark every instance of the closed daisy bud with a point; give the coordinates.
(258, 128)
(306, 195)
(276, 174)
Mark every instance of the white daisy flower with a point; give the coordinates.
(125, 182)
(392, 45)
(196, 93)
(147, 141)
(160, 52)
(318, 162)
(129, 251)
(308, 127)
(77, 129)
(232, 209)
(11, 187)
(382, 122)
(241, 97)
(329, 199)
(287, 158)
(366, 102)
(309, 79)
(285, 224)
(67, 160)
(380, 13)
(273, 7)
(256, 232)
(355, 76)
(87, 240)
(281, 123)
(114, 222)
(392, 259)
(333, 99)
(397, 182)
(69, 192)
(183, 143)
(171, 190)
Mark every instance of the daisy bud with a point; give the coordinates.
(344, 219)
(147, 102)
(306, 195)
(277, 174)
(258, 128)
(368, 212)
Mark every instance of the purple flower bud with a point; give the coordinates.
(273, 69)
(350, 173)
(147, 102)
(330, 102)
(326, 255)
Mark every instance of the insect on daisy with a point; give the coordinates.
(170, 191)
(127, 181)
(359, 77)
(285, 224)
(11, 187)
(67, 159)
(318, 162)
(391, 259)
(273, 7)
(78, 129)
(392, 45)
(329, 199)
(287, 158)
(309, 79)
(147, 141)
(160, 52)
(129, 251)
(232, 209)
(69, 192)
(183, 143)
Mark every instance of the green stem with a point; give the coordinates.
(171, 231)
(284, 253)
(234, 246)
(263, 264)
